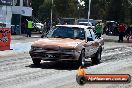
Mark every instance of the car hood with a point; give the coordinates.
(57, 43)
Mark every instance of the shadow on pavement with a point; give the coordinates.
(59, 65)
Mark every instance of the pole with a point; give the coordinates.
(6, 16)
(89, 11)
(51, 15)
(78, 12)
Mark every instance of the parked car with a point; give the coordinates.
(70, 21)
(38, 27)
(111, 28)
(91, 21)
(87, 24)
(68, 42)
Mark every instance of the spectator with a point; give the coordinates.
(104, 29)
(131, 31)
(121, 29)
(48, 25)
(29, 28)
(98, 29)
(24, 28)
(128, 33)
(44, 31)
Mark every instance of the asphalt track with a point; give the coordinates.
(19, 72)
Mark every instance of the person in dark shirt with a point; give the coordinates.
(128, 33)
(131, 31)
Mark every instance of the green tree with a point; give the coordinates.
(45, 10)
(98, 9)
(66, 8)
(115, 11)
(61, 8)
(118, 10)
(35, 5)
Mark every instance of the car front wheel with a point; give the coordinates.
(81, 61)
(97, 57)
(36, 61)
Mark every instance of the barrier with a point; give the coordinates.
(5, 38)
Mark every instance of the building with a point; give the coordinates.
(13, 13)
(5, 13)
(21, 10)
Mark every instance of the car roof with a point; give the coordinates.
(86, 22)
(78, 26)
(110, 21)
(89, 23)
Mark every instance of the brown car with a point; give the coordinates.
(68, 42)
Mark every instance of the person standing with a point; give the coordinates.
(29, 28)
(44, 31)
(128, 33)
(98, 29)
(104, 29)
(23, 28)
(121, 29)
(131, 31)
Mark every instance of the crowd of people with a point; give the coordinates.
(123, 31)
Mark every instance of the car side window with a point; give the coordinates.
(89, 36)
(92, 34)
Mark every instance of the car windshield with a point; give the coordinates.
(67, 32)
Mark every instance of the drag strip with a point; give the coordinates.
(19, 72)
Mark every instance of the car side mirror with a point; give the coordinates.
(89, 39)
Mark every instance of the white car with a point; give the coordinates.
(86, 24)
(38, 26)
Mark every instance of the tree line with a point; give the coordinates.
(116, 10)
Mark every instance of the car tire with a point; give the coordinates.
(42, 36)
(36, 61)
(81, 61)
(97, 57)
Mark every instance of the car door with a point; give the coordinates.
(89, 44)
(95, 43)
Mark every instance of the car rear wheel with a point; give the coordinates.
(96, 59)
(81, 61)
(36, 61)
